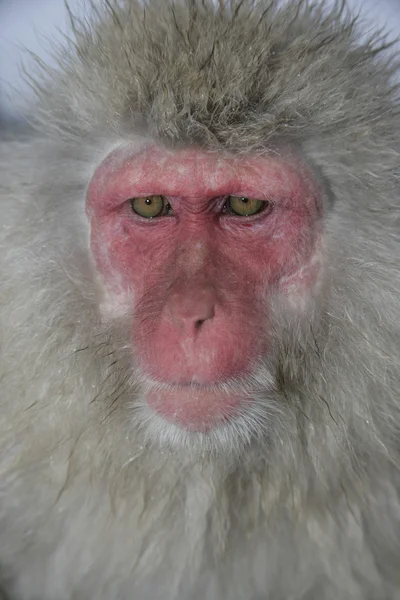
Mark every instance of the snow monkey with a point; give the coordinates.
(200, 309)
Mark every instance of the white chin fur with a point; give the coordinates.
(252, 422)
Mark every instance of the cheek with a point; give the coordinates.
(292, 244)
(126, 263)
(116, 295)
(303, 280)
(280, 255)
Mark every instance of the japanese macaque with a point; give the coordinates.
(200, 310)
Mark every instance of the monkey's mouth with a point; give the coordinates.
(194, 406)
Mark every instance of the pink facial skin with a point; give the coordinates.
(199, 278)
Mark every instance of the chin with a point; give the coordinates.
(224, 417)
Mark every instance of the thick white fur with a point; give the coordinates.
(300, 500)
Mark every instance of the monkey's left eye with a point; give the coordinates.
(243, 206)
(150, 206)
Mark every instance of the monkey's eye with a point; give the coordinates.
(150, 206)
(243, 206)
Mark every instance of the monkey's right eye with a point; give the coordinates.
(149, 207)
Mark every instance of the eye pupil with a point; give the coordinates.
(148, 201)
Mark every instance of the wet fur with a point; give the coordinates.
(301, 501)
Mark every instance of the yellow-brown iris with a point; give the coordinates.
(243, 206)
(148, 206)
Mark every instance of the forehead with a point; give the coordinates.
(194, 171)
(152, 155)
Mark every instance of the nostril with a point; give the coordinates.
(189, 309)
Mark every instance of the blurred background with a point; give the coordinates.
(27, 24)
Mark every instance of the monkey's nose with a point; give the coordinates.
(191, 309)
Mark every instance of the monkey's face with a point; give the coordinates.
(194, 245)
